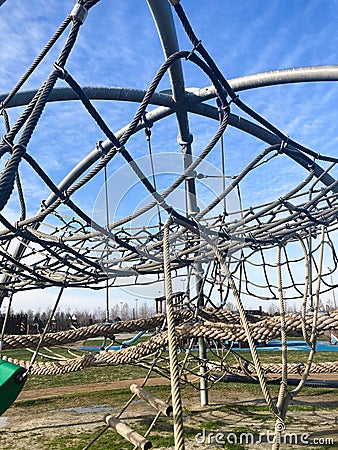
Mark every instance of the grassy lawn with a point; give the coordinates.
(162, 436)
(227, 399)
(110, 397)
(100, 374)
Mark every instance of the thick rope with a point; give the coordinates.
(218, 327)
(246, 329)
(134, 355)
(313, 337)
(279, 426)
(173, 346)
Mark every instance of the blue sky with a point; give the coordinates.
(118, 46)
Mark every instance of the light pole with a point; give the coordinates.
(333, 293)
(136, 312)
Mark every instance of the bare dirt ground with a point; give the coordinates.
(317, 417)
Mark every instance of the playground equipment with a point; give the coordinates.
(11, 383)
(280, 249)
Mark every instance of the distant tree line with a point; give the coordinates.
(65, 320)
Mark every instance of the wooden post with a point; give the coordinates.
(155, 402)
(130, 435)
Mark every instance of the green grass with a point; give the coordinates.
(162, 435)
(243, 389)
(85, 399)
(97, 374)
(79, 440)
(212, 424)
(109, 440)
(106, 374)
(229, 446)
(260, 413)
(111, 398)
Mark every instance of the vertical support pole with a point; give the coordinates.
(192, 209)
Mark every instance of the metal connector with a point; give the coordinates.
(79, 13)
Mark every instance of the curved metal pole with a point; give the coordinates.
(304, 74)
(278, 77)
(164, 21)
(197, 95)
(194, 105)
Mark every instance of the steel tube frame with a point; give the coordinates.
(194, 105)
(303, 74)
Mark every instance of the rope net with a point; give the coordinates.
(196, 222)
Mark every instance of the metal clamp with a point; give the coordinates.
(79, 13)
(185, 143)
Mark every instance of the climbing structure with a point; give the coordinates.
(193, 222)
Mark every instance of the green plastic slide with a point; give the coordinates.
(11, 383)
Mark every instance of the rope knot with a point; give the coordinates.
(61, 71)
